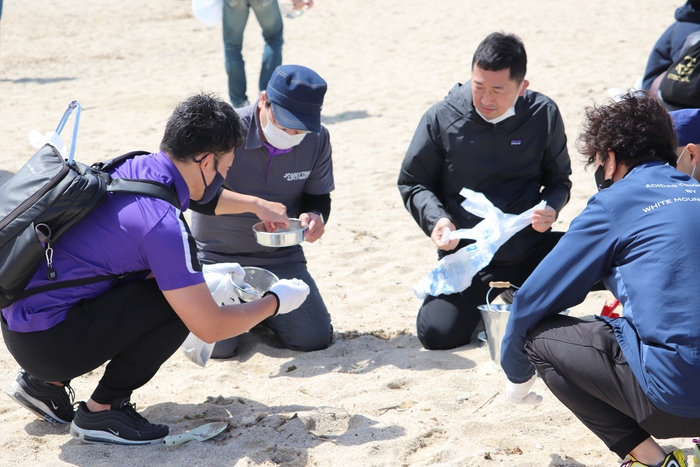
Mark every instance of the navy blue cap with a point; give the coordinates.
(687, 124)
(296, 93)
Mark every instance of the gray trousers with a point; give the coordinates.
(305, 329)
(582, 364)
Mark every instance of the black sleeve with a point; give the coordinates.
(420, 179)
(320, 204)
(208, 208)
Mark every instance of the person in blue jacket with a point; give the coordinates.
(635, 377)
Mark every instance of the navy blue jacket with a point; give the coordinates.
(640, 236)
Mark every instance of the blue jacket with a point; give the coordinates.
(668, 48)
(640, 236)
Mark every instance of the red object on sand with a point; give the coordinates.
(608, 309)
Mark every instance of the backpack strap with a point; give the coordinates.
(135, 186)
(106, 166)
(115, 278)
(144, 187)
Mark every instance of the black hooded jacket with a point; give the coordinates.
(515, 163)
(669, 46)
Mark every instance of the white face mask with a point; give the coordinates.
(280, 138)
(507, 114)
(681, 156)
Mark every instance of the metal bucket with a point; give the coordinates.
(495, 318)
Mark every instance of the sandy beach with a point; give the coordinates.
(375, 397)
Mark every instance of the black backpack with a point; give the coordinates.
(45, 198)
(681, 84)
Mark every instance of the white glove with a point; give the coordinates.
(234, 269)
(290, 293)
(520, 393)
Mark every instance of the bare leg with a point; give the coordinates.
(648, 452)
(95, 407)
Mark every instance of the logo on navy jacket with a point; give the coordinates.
(296, 176)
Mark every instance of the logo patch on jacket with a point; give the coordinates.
(295, 176)
(515, 142)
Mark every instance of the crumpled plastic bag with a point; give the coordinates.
(222, 290)
(454, 273)
(209, 12)
(197, 350)
(37, 140)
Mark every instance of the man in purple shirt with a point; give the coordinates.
(137, 324)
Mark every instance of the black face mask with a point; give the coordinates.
(600, 181)
(212, 189)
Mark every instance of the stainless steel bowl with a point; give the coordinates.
(293, 235)
(256, 282)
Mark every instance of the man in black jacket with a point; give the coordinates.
(493, 137)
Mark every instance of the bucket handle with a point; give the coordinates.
(72, 106)
(498, 285)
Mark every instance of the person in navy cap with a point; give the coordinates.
(687, 125)
(285, 158)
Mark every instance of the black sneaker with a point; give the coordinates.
(121, 425)
(48, 401)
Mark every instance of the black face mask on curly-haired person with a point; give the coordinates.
(600, 181)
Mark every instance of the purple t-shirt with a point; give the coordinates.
(125, 233)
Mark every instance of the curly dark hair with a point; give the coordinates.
(202, 123)
(637, 128)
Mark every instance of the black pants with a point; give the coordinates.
(132, 326)
(448, 321)
(582, 364)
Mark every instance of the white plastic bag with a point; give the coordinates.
(197, 350)
(208, 12)
(222, 290)
(454, 273)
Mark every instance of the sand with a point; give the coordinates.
(375, 397)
